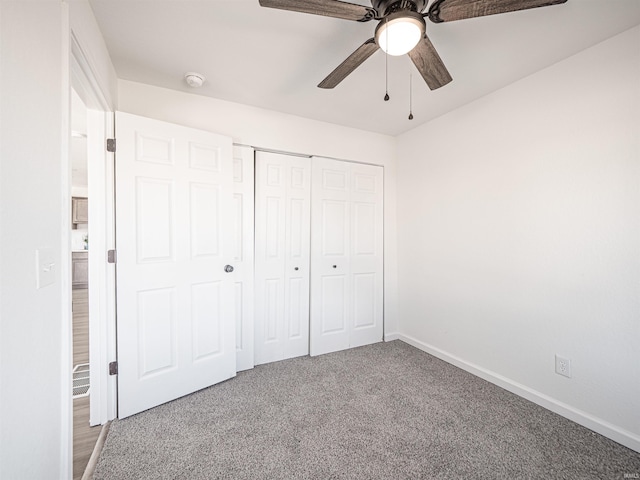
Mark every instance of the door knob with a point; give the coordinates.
(228, 268)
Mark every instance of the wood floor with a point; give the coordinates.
(80, 326)
(84, 437)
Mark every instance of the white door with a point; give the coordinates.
(282, 257)
(346, 255)
(243, 204)
(175, 310)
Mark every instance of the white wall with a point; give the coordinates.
(35, 325)
(519, 236)
(272, 130)
(31, 179)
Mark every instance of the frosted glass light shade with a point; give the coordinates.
(399, 35)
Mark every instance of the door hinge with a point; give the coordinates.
(113, 368)
(111, 145)
(112, 256)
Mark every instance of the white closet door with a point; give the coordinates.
(296, 272)
(176, 331)
(366, 255)
(243, 204)
(346, 255)
(330, 256)
(281, 257)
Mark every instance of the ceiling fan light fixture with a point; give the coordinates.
(400, 32)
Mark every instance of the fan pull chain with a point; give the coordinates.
(411, 96)
(386, 77)
(386, 67)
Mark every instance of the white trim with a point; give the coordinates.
(614, 432)
(245, 356)
(304, 155)
(101, 274)
(84, 79)
(390, 337)
(109, 323)
(102, 342)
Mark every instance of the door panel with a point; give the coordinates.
(367, 254)
(274, 229)
(155, 230)
(347, 275)
(296, 305)
(296, 315)
(176, 330)
(364, 300)
(335, 228)
(204, 157)
(205, 305)
(297, 226)
(330, 256)
(154, 149)
(282, 256)
(241, 339)
(273, 289)
(269, 257)
(334, 176)
(334, 305)
(364, 229)
(204, 221)
(156, 325)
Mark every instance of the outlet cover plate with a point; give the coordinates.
(563, 366)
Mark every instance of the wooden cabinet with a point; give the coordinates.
(80, 269)
(79, 210)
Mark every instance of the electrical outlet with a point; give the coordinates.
(563, 366)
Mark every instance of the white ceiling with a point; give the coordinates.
(274, 58)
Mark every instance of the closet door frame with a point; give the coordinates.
(243, 262)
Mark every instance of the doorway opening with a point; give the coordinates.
(90, 237)
(84, 436)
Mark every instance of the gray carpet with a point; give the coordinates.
(385, 411)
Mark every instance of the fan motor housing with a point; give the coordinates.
(384, 7)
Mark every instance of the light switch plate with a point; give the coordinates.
(45, 267)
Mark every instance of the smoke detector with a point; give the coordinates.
(194, 79)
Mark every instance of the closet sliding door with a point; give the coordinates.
(282, 236)
(346, 255)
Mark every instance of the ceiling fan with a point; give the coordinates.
(402, 29)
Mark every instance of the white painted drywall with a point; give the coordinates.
(31, 179)
(519, 236)
(273, 130)
(35, 324)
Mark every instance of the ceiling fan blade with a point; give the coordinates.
(449, 10)
(328, 8)
(429, 64)
(352, 62)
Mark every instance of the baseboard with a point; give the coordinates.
(388, 337)
(615, 433)
(95, 455)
